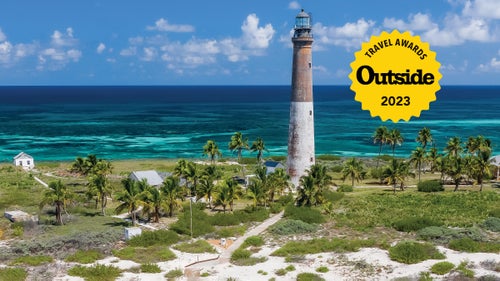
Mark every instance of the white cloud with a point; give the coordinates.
(415, 22)
(489, 9)
(255, 36)
(294, 5)
(196, 52)
(101, 48)
(350, 35)
(62, 51)
(11, 53)
(163, 25)
(492, 65)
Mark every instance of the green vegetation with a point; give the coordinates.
(410, 252)
(150, 268)
(442, 268)
(430, 186)
(414, 223)
(463, 270)
(174, 273)
(13, 274)
(345, 188)
(492, 224)
(255, 241)
(305, 214)
(307, 276)
(443, 235)
(201, 222)
(95, 273)
(322, 269)
(32, 260)
(321, 245)
(145, 255)
(466, 244)
(85, 257)
(291, 226)
(198, 246)
(151, 238)
(242, 257)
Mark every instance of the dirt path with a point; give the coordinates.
(225, 256)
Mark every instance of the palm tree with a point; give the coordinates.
(259, 146)
(211, 150)
(455, 168)
(278, 181)
(99, 186)
(308, 193)
(432, 157)
(394, 138)
(226, 194)
(180, 168)
(207, 183)
(481, 167)
(59, 196)
(353, 169)
(171, 193)
(380, 136)
(454, 147)
(153, 201)
(424, 137)
(417, 157)
(192, 174)
(131, 198)
(320, 174)
(255, 191)
(238, 143)
(395, 172)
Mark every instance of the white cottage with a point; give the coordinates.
(25, 161)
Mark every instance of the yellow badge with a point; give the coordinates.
(395, 76)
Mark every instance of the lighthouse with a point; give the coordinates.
(301, 127)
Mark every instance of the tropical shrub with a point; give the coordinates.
(322, 269)
(157, 237)
(321, 245)
(150, 268)
(255, 241)
(430, 186)
(13, 274)
(411, 252)
(224, 219)
(201, 223)
(495, 213)
(290, 226)
(307, 276)
(413, 224)
(198, 246)
(97, 272)
(32, 260)
(442, 268)
(331, 196)
(305, 214)
(174, 273)
(492, 224)
(345, 188)
(85, 257)
(466, 244)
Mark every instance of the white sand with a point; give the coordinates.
(366, 264)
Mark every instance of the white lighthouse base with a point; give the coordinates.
(300, 140)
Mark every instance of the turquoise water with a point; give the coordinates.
(61, 123)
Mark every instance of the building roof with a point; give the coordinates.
(22, 155)
(272, 164)
(152, 177)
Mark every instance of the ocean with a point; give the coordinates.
(144, 122)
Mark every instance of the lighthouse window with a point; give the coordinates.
(310, 112)
(310, 64)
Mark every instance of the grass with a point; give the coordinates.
(369, 208)
(410, 252)
(32, 260)
(13, 274)
(196, 247)
(150, 268)
(442, 268)
(307, 276)
(321, 245)
(174, 273)
(95, 273)
(157, 237)
(145, 254)
(466, 244)
(85, 257)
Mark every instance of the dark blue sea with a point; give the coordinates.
(61, 123)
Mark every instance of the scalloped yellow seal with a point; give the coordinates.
(395, 76)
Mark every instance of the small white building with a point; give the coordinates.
(24, 160)
(153, 178)
(271, 166)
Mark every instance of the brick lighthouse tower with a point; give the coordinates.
(301, 127)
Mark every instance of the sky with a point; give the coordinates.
(231, 42)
